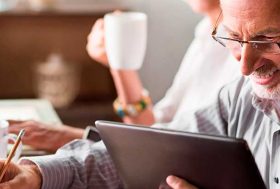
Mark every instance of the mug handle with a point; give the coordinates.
(13, 137)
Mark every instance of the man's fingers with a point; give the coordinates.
(12, 178)
(15, 183)
(16, 128)
(2, 161)
(20, 125)
(178, 183)
(29, 128)
(12, 122)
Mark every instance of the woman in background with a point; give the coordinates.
(205, 68)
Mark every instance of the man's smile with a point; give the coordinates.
(267, 78)
(267, 75)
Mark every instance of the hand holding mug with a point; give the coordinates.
(96, 43)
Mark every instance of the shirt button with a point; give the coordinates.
(276, 179)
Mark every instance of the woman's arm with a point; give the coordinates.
(127, 82)
(129, 89)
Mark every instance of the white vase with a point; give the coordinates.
(39, 5)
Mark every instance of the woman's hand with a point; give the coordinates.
(45, 137)
(178, 183)
(21, 177)
(96, 43)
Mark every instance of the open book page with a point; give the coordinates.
(28, 109)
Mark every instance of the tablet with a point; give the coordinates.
(145, 156)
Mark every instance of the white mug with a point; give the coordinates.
(4, 138)
(125, 39)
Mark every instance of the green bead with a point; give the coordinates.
(143, 104)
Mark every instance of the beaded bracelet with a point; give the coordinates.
(134, 109)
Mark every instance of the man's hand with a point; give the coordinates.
(36, 134)
(178, 183)
(21, 177)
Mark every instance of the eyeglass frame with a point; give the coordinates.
(241, 42)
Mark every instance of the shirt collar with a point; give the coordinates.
(269, 107)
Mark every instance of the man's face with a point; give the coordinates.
(257, 20)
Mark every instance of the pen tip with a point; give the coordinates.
(21, 133)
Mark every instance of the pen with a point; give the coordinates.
(11, 154)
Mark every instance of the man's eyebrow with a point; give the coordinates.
(269, 31)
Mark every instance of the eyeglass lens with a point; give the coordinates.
(237, 45)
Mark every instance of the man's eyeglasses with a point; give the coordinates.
(236, 45)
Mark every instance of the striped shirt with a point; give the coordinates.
(235, 112)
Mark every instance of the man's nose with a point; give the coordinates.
(248, 59)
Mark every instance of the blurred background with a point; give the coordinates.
(42, 52)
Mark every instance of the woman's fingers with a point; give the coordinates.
(178, 183)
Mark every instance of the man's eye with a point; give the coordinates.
(273, 38)
(268, 38)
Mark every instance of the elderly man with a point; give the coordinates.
(247, 108)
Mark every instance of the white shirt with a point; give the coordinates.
(206, 67)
